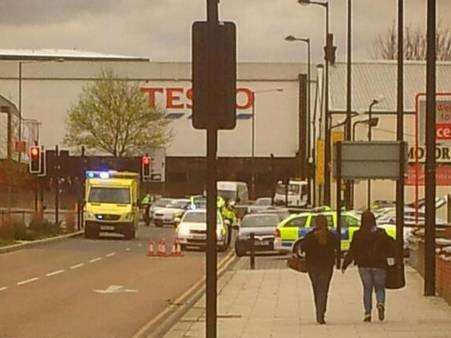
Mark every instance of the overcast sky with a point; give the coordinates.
(161, 29)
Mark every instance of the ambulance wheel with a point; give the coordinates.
(91, 232)
(239, 249)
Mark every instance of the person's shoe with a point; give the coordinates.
(321, 321)
(381, 311)
(367, 318)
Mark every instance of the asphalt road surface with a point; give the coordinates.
(92, 288)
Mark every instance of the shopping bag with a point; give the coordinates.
(395, 278)
(297, 263)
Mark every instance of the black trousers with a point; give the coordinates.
(320, 277)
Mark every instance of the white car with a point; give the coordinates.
(192, 229)
(168, 214)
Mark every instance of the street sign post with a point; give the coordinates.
(214, 102)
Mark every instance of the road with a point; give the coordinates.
(91, 288)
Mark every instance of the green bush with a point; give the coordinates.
(43, 226)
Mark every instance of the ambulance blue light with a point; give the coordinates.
(90, 174)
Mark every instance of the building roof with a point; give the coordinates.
(374, 79)
(69, 54)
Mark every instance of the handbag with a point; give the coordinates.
(395, 278)
(297, 263)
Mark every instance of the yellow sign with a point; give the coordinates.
(336, 136)
(319, 167)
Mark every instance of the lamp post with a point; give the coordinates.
(20, 64)
(292, 38)
(370, 111)
(253, 135)
(327, 149)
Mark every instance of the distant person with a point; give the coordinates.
(320, 247)
(370, 247)
(145, 203)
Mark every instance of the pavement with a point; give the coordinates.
(273, 301)
(92, 288)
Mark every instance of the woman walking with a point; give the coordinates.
(320, 246)
(370, 248)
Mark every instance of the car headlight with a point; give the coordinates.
(182, 231)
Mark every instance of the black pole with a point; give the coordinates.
(400, 136)
(370, 115)
(349, 202)
(252, 250)
(57, 185)
(253, 149)
(429, 280)
(302, 136)
(212, 144)
(309, 129)
(338, 181)
(327, 150)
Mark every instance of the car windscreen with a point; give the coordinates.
(195, 217)
(227, 194)
(178, 204)
(109, 195)
(260, 221)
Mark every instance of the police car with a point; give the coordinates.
(297, 226)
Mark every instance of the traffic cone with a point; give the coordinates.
(161, 248)
(151, 249)
(178, 250)
(174, 249)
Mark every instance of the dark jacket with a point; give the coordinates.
(317, 255)
(370, 249)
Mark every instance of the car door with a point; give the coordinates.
(291, 229)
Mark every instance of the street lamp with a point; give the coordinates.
(56, 59)
(370, 126)
(327, 150)
(253, 135)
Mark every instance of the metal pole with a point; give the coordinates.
(252, 250)
(20, 106)
(327, 151)
(370, 115)
(349, 202)
(253, 148)
(338, 181)
(57, 187)
(212, 144)
(400, 136)
(309, 117)
(429, 278)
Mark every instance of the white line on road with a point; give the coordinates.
(95, 260)
(77, 266)
(28, 281)
(54, 273)
(111, 254)
(127, 249)
(3, 288)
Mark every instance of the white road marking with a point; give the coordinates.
(77, 266)
(3, 288)
(28, 281)
(128, 249)
(95, 260)
(54, 273)
(116, 289)
(111, 254)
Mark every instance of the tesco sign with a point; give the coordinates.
(443, 131)
(182, 98)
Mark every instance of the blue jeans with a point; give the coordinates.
(320, 278)
(372, 278)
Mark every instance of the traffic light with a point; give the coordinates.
(35, 164)
(146, 162)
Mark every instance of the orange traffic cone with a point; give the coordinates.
(151, 249)
(161, 248)
(174, 249)
(178, 250)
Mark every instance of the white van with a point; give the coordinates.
(234, 191)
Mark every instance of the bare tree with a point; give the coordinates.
(415, 44)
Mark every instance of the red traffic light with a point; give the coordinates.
(34, 151)
(146, 160)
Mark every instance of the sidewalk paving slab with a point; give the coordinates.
(277, 303)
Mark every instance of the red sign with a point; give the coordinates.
(182, 98)
(443, 131)
(442, 175)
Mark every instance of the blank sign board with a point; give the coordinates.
(370, 160)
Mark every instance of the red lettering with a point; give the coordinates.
(172, 98)
(189, 95)
(249, 95)
(152, 94)
(443, 131)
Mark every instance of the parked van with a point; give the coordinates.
(234, 191)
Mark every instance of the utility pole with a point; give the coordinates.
(349, 186)
(429, 273)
